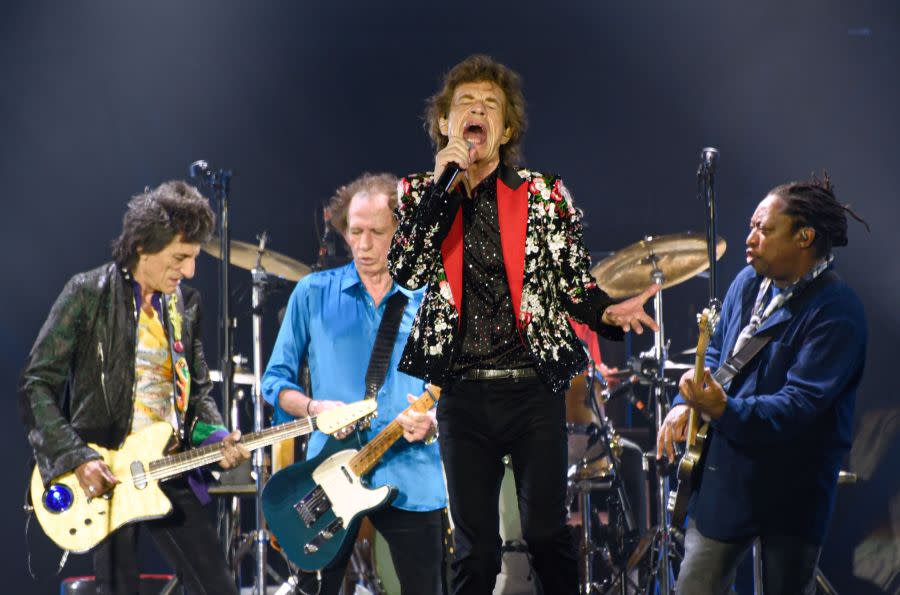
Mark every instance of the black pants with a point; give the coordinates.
(416, 542)
(186, 538)
(480, 422)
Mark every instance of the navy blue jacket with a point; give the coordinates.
(774, 456)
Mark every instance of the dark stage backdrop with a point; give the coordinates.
(100, 98)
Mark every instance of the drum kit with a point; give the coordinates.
(619, 552)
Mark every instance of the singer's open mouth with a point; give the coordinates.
(475, 133)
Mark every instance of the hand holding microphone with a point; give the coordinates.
(450, 161)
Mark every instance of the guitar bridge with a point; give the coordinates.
(324, 535)
(670, 507)
(312, 506)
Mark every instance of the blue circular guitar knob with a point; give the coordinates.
(58, 498)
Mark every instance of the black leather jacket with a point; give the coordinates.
(79, 383)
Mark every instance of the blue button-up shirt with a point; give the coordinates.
(331, 320)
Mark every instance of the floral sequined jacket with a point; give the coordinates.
(78, 385)
(547, 268)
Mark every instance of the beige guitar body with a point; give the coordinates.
(90, 520)
(78, 523)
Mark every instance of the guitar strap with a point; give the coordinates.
(736, 362)
(173, 317)
(384, 343)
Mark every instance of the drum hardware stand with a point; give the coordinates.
(603, 433)
(238, 545)
(258, 539)
(662, 547)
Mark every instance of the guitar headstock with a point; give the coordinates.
(332, 420)
(706, 325)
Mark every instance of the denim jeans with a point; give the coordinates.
(709, 566)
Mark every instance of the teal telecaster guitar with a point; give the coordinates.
(313, 507)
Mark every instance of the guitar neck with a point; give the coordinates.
(173, 465)
(699, 361)
(363, 461)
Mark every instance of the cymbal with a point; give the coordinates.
(244, 255)
(679, 256)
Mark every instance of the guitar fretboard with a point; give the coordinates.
(172, 465)
(363, 461)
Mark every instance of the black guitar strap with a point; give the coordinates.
(734, 364)
(384, 343)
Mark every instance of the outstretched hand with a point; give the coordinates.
(630, 315)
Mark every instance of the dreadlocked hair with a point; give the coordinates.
(812, 203)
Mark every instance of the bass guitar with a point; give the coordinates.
(313, 507)
(78, 523)
(692, 461)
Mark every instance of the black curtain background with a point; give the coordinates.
(99, 99)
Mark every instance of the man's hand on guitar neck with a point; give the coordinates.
(708, 397)
(672, 430)
(233, 452)
(417, 426)
(95, 478)
(317, 406)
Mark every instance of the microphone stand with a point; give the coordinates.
(706, 191)
(261, 535)
(219, 181)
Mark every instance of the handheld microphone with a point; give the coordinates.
(448, 177)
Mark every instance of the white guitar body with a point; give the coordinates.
(349, 497)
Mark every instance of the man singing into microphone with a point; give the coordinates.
(503, 256)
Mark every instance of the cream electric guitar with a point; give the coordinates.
(78, 523)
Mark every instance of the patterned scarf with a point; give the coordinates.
(762, 311)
